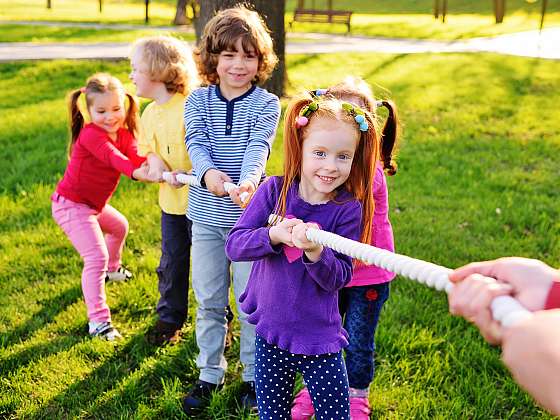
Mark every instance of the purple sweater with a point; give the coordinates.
(293, 302)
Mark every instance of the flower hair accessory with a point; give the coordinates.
(303, 118)
(358, 114)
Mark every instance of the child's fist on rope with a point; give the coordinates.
(281, 233)
(214, 180)
(299, 238)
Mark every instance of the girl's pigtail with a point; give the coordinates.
(292, 151)
(131, 120)
(389, 137)
(76, 118)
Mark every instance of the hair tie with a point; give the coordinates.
(303, 118)
(83, 89)
(358, 114)
(378, 104)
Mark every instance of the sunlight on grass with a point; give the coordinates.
(114, 11)
(384, 18)
(480, 134)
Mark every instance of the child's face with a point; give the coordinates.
(107, 111)
(237, 69)
(327, 154)
(145, 86)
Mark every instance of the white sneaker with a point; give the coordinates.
(104, 330)
(121, 274)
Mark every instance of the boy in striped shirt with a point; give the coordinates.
(230, 126)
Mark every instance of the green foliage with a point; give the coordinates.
(477, 179)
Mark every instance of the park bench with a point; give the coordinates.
(301, 14)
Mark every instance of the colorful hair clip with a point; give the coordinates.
(321, 92)
(358, 114)
(303, 119)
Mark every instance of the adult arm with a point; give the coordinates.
(531, 351)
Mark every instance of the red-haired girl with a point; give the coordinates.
(99, 152)
(331, 150)
(361, 300)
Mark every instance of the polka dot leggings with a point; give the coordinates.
(324, 374)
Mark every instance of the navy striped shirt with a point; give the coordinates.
(234, 137)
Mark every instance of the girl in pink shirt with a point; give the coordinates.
(99, 152)
(361, 300)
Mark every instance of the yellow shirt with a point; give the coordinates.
(163, 133)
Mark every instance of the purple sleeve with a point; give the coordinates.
(334, 270)
(248, 240)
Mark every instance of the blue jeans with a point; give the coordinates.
(360, 307)
(324, 375)
(173, 269)
(211, 281)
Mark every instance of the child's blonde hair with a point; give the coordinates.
(222, 32)
(99, 83)
(170, 61)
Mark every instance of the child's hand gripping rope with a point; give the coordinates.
(191, 180)
(505, 309)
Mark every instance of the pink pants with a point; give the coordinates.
(99, 239)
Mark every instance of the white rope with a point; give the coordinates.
(192, 181)
(505, 309)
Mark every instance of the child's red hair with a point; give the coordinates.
(360, 180)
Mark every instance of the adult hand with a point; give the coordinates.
(471, 299)
(214, 180)
(530, 279)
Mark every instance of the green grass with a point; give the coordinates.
(385, 18)
(38, 33)
(480, 133)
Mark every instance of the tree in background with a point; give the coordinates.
(273, 13)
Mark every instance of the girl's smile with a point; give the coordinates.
(327, 155)
(108, 112)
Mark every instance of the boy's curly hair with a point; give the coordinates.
(170, 61)
(222, 32)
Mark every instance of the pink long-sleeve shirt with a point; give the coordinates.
(382, 235)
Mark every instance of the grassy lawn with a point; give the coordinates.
(385, 18)
(37, 33)
(480, 134)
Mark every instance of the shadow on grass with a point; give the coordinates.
(130, 384)
(30, 354)
(51, 307)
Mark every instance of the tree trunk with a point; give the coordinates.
(181, 13)
(499, 10)
(273, 14)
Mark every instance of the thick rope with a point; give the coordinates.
(505, 309)
(192, 181)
